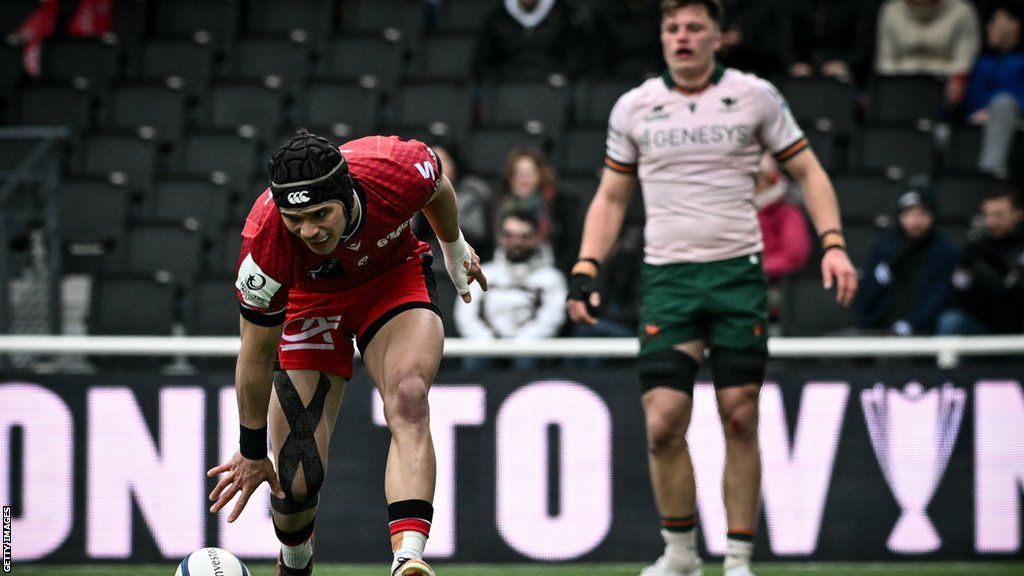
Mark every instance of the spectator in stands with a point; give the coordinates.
(756, 37)
(475, 202)
(530, 185)
(530, 40)
(939, 37)
(787, 241)
(988, 282)
(525, 296)
(834, 38)
(628, 32)
(905, 281)
(995, 94)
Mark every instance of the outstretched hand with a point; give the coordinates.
(474, 273)
(836, 268)
(243, 477)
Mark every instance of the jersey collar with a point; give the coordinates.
(716, 76)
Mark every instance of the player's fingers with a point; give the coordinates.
(240, 505)
(220, 487)
(275, 486)
(481, 278)
(224, 498)
(218, 469)
(467, 297)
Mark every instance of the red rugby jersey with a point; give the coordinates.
(397, 178)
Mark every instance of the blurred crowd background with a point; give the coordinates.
(128, 221)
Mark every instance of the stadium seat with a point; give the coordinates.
(232, 105)
(260, 58)
(406, 16)
(315, 18)
(93, 222)
(153, 104)
(516, 104)
(113, 155)
(580, 151)
(131, 19)
(211, 308)
(464, 15)
(419, 105)
(57, 103)
(11, 70)
(220, 155)
(828, 147)
(186, 58)
(859, 240)
(196, 203)
(443, 57)
(595, 98)
(14, 13)
(821, 103)
(963, 149)
(344, 110)
(369, 58)
(222, 258)
(220, 18)
(810, 310)
(98, 61)
(160, 249)
(900, 150)
(959, 196)
(132, 306)
(485, 150)
(865, 196)
(905, 99)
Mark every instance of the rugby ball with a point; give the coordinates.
(211, 562)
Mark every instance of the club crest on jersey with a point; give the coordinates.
(729, 104)
(255, 286)
(656, 113)
(298, 197)
(329, 269)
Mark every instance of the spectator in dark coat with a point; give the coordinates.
(834, 38)
(989, 281)
(530, 40)
(757, 37)
(627, 33)
(995, 95)
(905, 283)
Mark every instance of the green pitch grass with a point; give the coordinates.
(764, 569)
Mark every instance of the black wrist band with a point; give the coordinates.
(594, 261)
(252, 443)
(834, 246)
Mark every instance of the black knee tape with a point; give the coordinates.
(669, 368)
(737, 367)
(299, 446)
(297, 537)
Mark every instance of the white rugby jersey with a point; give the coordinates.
(697, 154)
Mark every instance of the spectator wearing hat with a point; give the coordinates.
(988, 282)
(905, 283)
(995, 95)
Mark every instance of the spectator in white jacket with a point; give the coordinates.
(525, 296)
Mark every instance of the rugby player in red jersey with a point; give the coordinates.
(327, 257)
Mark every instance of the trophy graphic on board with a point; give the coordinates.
(913, 432)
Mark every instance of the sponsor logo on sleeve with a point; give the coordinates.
(256, 287)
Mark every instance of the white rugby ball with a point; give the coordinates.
(211, 562)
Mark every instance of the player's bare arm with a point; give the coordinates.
(600, 230)
(254, 378)
(820, 200)
(442, 211)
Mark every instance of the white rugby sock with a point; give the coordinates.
(737, 553)
(412, 546)
(681, 550)
(297, 556)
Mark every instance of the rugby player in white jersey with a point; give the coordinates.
(693, 138)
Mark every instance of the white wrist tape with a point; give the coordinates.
(457, 257)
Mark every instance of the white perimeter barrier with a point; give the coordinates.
(946, 350)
